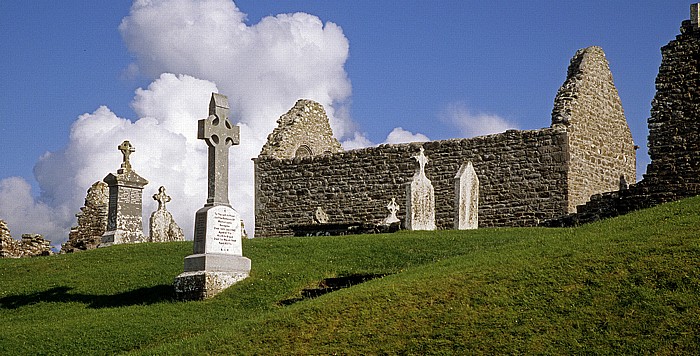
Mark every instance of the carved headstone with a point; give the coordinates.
(163, 227)
(217, 261)
(124, 221)
(393, 209)
(420, 198)
(466, 198)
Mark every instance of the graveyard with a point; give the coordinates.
(629, 284)
(530, 241)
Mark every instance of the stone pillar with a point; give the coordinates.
(466, 198)
(124, 220)
(420, 199)
(695, 15)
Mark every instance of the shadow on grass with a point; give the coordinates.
(141, 296)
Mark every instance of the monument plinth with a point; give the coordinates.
(124, 221)
(217, 261)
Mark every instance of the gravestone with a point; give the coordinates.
(163, 227)
(420, 198)
(217, 261)
(124, 221)
(393, 209)
(466, 198)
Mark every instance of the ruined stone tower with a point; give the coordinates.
(601, 150)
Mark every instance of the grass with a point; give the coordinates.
(628, 285)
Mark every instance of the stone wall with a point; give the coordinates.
(601, 148)
(674, 137)
(30, 245)
(92, 220)
(522, 178)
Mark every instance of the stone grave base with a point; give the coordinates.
(117, 237)
(207, 275)
(202, 285)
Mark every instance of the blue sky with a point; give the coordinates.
(417, 65)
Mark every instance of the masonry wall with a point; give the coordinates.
(522, 181)
(602, 154)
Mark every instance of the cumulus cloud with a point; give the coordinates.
(473, 124)
(399, 135)
(18, 208)
(263, 69)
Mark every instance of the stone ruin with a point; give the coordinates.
(674, 137)
(302, 132)
(31, 244)
(92, 220)
(525, 177)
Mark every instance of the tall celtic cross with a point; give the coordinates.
(219, 134)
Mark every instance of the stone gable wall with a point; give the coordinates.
(600, 142)
(522, 178)
(302, 131)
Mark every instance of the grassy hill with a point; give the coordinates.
(627, 285)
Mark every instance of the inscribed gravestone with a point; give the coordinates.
(466, 198)
(163, 227)
(217, 261)
(420, 198)
(124, 221)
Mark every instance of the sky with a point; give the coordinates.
(80, 76)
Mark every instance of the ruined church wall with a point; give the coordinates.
(522, 174)
(601, 148)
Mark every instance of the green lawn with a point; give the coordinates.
(628, 285)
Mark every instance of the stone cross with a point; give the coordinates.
(393, 207)
(126, 149)
(422, 161)
(161, 198)
(219, 134)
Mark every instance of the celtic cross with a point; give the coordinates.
(422, 160)
(161, 198)
(219, 134)
(126, 149)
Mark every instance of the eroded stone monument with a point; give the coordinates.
(124, 221)
(393, 208)
(163, 227)
(420, 198)
(217, 261)
(466, 198)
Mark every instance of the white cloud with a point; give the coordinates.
(399, 135)
(473, 124)
(263, 68)
(359, 140)
(19, 210)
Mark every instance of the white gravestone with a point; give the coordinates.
(420, 198)
(393, 209)
(162, 226)
(466, 198)
(217, 261)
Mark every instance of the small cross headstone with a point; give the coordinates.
(217, 261)
(466, 198)
(124, 220)
(163, 227)
(420, 198)
(393, 208)
(320, 216)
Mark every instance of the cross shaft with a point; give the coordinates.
(219, 134)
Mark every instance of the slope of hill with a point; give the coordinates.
(627, 285)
